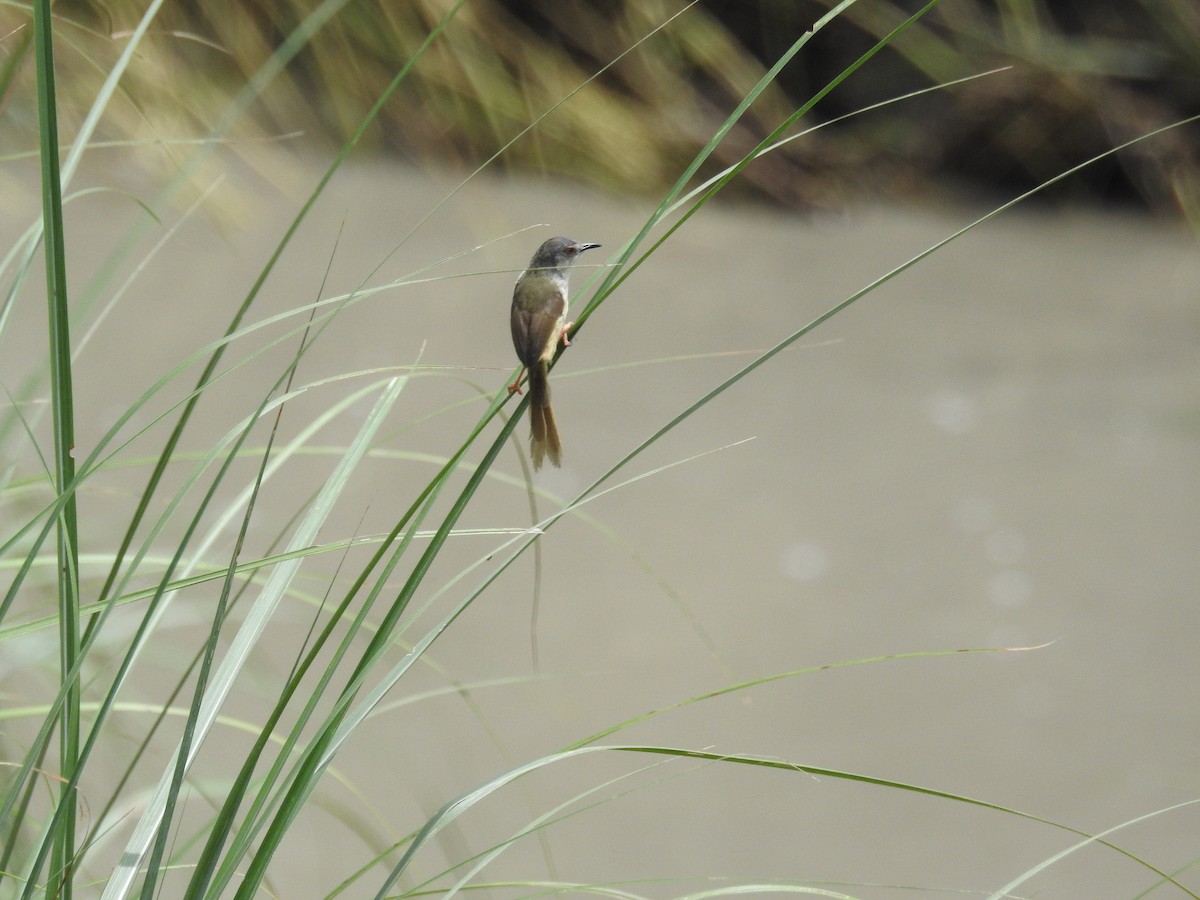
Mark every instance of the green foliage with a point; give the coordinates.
(363, 644)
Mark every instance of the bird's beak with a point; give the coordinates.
(582, 247)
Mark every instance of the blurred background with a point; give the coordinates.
(1087, 74)
(997, 449)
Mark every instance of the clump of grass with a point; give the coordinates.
(364, 641)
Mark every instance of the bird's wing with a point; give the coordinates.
(536, 318)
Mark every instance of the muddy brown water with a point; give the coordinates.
(998, 449)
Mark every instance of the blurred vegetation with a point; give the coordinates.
(1086, 74)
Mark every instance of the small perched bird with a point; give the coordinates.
(539, 321)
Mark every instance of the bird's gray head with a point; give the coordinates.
(558, 253)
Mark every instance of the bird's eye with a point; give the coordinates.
(572, 250)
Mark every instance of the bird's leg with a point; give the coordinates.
(566, 340)
(515, 387)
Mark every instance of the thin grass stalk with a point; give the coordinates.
(295, 42)
(568, 809)
(623, 269)
(153, 868)
(165, 586)
(136, 643)
(11, 63)
(858, 295)
(619, 274)
(452, 809)
(320, 751)
(463, 803)
(17, 810)
(263, 804)
(62, 412)
(1099, 838)
(121, 881)
(209, 649)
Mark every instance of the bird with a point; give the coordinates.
(539, 322)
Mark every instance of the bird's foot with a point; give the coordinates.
(566, 340)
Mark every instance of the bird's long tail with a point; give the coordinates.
(543, 434)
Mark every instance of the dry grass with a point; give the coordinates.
(1077, 87)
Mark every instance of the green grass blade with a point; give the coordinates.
(188, 741)
(135, 646)
(858, 295)
(1097, 838)
(455, 808)
(152, 615)
(317, 755)
(105, 94)
(624, 268)
(779, 765)
(301, 780)
(248, 635)
(62, 411)
(87, 129)
(342, 721)
(153, 611)
(461, 804)
(295, 41)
